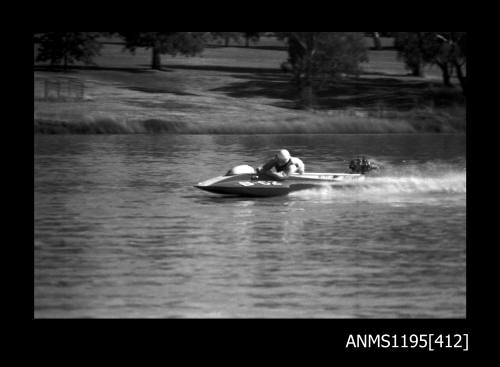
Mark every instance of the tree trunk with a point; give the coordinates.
(461, 77)
(417, 67)
(308, 96)
(417, 70)
(376, 41)
(156, 59)
(226, 41)
(65, 61)
(247, 42)
(445, 69)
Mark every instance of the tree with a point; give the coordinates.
(67, 47)
(447, 50)
(460, 57)
(453, 53)
(251, 36)
(160, 43)
(416, 49)
(319, 57)
(226, 36)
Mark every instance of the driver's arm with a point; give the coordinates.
(268, 166)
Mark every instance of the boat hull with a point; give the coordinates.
(265, 185)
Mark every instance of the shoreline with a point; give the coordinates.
(108, 108)
(210, 114)
(156, 126)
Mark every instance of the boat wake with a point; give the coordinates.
(430, 183)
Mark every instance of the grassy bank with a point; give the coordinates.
(242, 90)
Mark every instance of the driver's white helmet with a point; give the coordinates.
(283, 156)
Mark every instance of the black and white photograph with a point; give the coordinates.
(250, 175)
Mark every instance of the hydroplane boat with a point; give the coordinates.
(245, 180)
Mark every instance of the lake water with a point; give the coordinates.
(121, 232)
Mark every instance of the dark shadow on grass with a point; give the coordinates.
(351, 92)
(383, 48)
(256, 82)
(159, 90)
(143, 68)
(224, 69)
(389, 75)
(273, 48)
(376, 90)
(256, 47)
(71, 68)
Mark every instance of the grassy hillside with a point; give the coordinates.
(242, 90)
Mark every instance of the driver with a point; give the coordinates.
(283, 163)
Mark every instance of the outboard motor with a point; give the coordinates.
(362, 165)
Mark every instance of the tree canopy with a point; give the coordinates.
(161, 43)
(226, 36)
(416, 49)
(67, 47)
(447, 50)
(251, 36)
(318, 57)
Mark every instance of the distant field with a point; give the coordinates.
(238, 90)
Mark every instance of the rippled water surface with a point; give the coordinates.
(121, 232)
